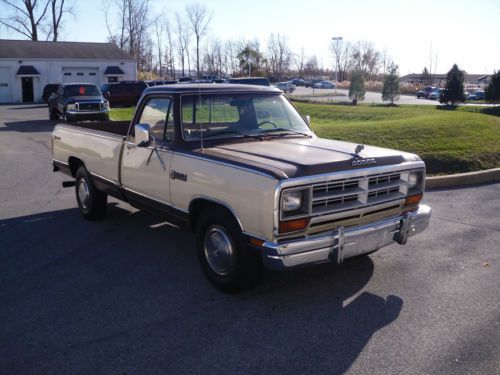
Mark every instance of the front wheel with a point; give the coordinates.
(91, 202)
(223, 254)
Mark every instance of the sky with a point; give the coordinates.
(456, 31)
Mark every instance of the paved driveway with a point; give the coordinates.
(126, 295)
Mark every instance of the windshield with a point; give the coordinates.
(239, 115)
(81, 90)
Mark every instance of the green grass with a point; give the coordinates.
(449, 141)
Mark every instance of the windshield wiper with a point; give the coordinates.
(285, 130)
(233, 131)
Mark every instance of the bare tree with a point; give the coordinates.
(169, 55)
(279, 55)
(58, 8)
(159, 32)
(300, 60)
(25, 16)
(199, 18)
(183, 34)
(366, 58)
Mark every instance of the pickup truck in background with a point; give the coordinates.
(76, 102)
(241, 168)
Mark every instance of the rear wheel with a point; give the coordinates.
(91, 202)
(223, 254)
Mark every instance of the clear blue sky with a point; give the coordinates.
(405, 28)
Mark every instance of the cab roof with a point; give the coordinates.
(183, 88)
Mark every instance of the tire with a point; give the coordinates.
(91, 202)
(236, 267)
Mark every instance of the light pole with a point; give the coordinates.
(337, 39)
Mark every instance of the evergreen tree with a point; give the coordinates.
(390, 91)
(425, 76)
(454, 90)
(357, 89)
(493, 89)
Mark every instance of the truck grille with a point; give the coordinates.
(88, 106)
(350, 193)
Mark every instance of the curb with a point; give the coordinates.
(470, 178)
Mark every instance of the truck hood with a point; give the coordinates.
(294, 157)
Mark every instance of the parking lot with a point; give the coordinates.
(126, 295)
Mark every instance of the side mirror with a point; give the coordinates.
(142, 135)
(107, 94)
(308, 119)
(52, 96)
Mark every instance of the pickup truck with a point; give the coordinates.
(78, 101)
(240, 167)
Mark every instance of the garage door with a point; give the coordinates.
(5, 85)
(81, 75)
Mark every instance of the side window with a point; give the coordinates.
(271, 114)
(158, 114)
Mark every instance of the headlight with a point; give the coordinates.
(413, 180)
(71, 107)
(105, 104)
(291, 200)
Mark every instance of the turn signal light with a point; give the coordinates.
(293, 225)
(413, 199)
(256, 242)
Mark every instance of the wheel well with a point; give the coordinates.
(74, 164)
(197, 206)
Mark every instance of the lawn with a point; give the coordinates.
(449, 141)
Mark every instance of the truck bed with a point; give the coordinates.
(115, 127)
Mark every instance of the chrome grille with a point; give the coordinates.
(88, 106)
(339, 195)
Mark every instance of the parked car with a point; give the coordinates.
(123, 93)
(478, 95)
(78, 101)
(185, 79)
(48, 90)
(311, 82)
(298, 82)
(260, 81)
(324, 85)
(248, 176)
(425, 92)
(286, 86)
(435, 94)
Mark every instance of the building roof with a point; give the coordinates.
(28, 49)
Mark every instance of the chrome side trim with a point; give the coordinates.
(60, 162)
(105, 179)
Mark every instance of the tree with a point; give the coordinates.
(357, 89)
(390, 91)
(493, 89)
(454, 90)
(25, 16)
(58, 8)
(300, 60)
(425, 76)
(250, 60)
(199, 18)
(279, 55)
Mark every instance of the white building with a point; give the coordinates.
(27, 66)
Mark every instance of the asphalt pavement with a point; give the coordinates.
(126, 295)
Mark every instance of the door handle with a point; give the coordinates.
(131, 145)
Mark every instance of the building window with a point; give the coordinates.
(91, 74)
(79, 74)
(67, 74)
(112, 79)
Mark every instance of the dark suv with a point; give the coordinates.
(124, 93)
(78, 101)
(48, 90)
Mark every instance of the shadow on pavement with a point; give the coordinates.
(23, 106)
(30, 126)
(126, 295)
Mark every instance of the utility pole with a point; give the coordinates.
(337, 40)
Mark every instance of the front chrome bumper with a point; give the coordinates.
(345, 242)
(89, 112)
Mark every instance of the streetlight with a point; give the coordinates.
(337, 39)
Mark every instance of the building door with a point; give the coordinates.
(5, 89)
(27, 88)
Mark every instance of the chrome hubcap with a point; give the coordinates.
(219, 250)
(83, 193)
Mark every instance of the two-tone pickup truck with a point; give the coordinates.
(239, 166)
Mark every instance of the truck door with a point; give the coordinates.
(145, 171)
